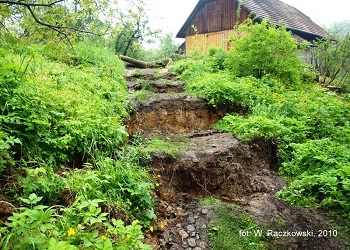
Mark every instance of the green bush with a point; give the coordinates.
(216, 58)
(261, 49)
(124, 185)
(43, 182)
(59, 110)
(64, 109)
(10, 80)
(186, 69)
(82, 226)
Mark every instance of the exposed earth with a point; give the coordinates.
(212, 164)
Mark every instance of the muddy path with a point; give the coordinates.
(212, 164)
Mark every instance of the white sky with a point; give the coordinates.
(169, 15)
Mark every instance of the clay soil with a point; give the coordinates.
(214, 164)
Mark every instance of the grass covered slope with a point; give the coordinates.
(60, 110)
(56, 109)
(309, 123)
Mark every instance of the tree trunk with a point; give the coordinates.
(144, 65)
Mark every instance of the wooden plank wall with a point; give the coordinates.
(216, 16)
(201, 42)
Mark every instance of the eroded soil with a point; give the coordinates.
(214, 164)
(162, 114)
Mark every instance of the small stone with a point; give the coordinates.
(205, 211)
(190, 228)
(197, 248)
(203, 226)
(183, 234)
(191, 242)
(200, 222)
(162, 242)
(193, 234)
(191, 220)
(169, 209)
(203, 245)
(178, 225)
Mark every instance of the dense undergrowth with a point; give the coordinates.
(309, 123)
(72, 181)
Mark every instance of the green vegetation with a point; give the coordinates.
(309, 123)
(80, 226)
(57, 109)
(61, 125)
(171, 147)
(75, 180)
(233, 229)
(279, 59)
(210, 200)
(334, 56)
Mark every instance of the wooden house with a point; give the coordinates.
(212, 21)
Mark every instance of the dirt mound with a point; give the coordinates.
(216, 164)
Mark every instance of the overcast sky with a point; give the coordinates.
(170, 15)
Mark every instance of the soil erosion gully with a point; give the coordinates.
(211, 163)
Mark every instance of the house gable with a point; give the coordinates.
(211, 16)
(216, 17)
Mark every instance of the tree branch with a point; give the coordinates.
(57, 28)
(37, 20)
(30, 4)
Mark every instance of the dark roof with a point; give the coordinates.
(275, 11)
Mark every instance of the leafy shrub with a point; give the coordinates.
(330, 189)
(252, 127)
(216, 58)
(123, 184)
(10, 80)
(60, 110)
(316, 157)
(43, 182)
(263, 49)
(191, 67)
(225, 89)
(81, 226)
